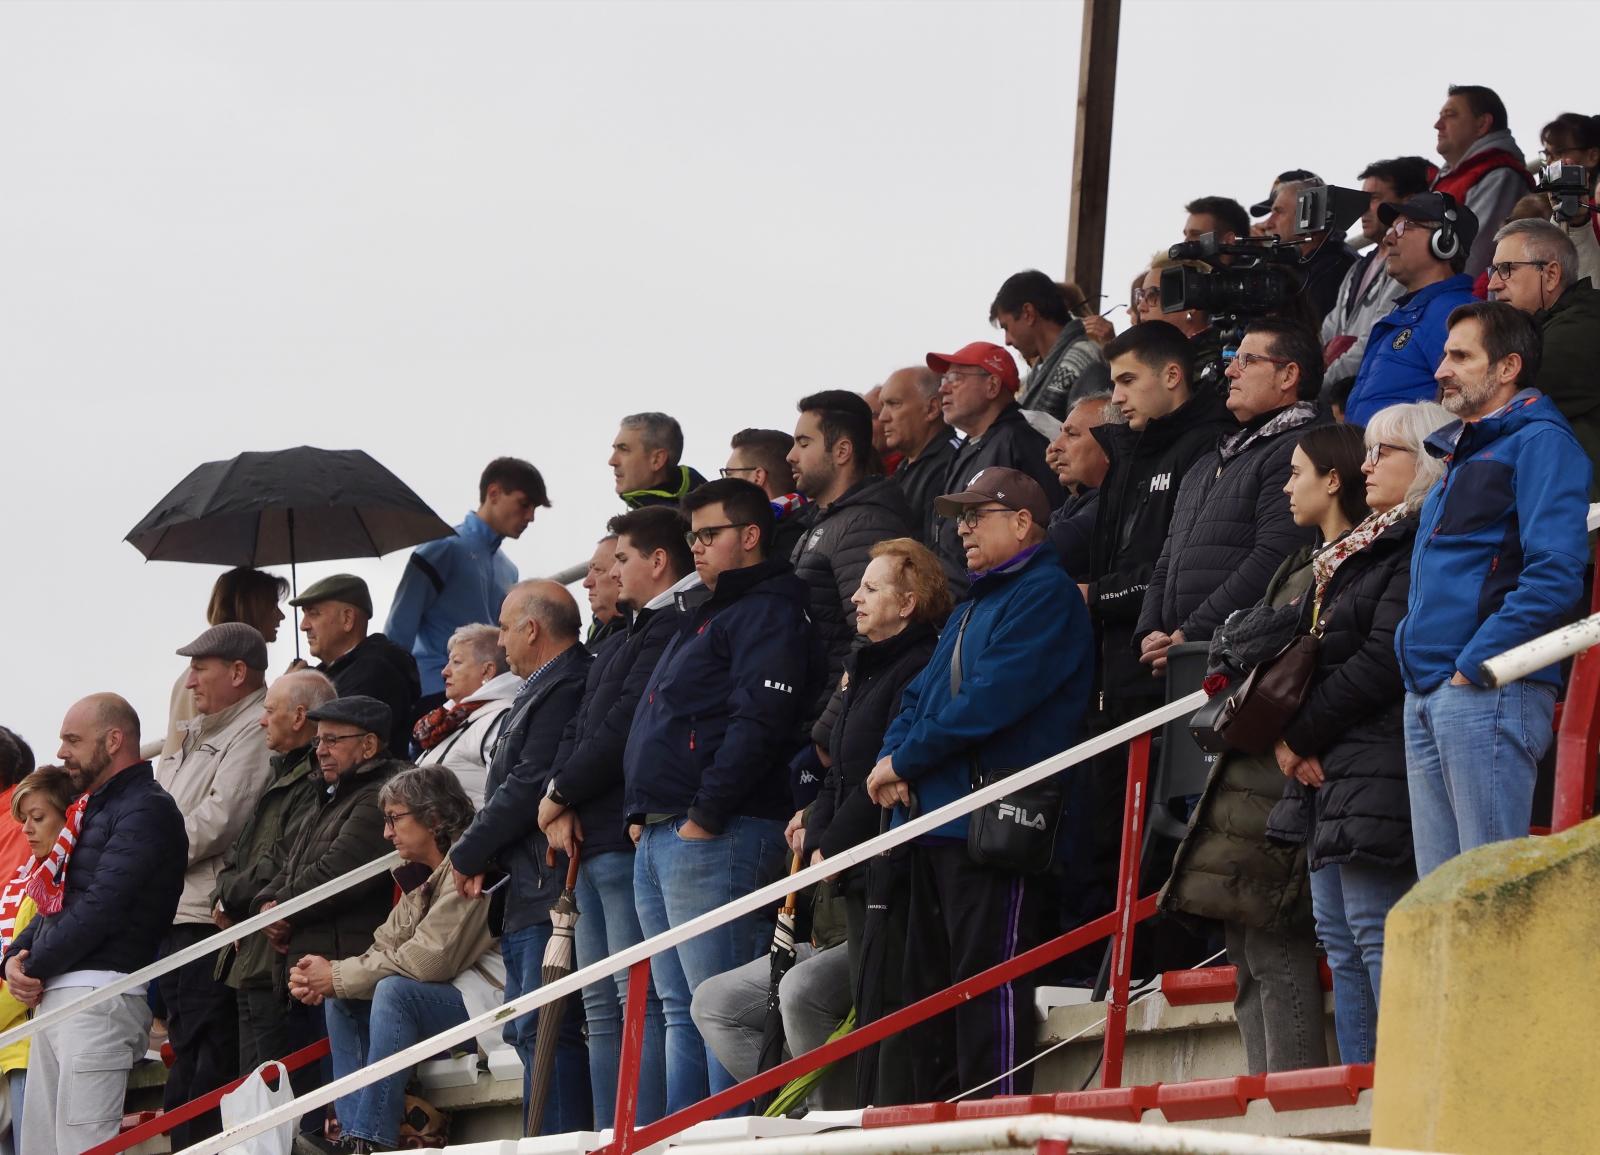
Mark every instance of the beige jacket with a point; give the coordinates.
(432, 935)
(216, 777)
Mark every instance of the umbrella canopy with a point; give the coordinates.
(558, 959)
(284, 507)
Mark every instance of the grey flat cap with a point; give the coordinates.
(356, 710)
(232, 642)
(339, 587)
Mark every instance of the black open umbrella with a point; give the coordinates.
(285, 507)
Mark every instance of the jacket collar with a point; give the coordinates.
(1202, 407)
(735, 583)
(1013, 566)
(1572, 295)
(1010, 415)
(384, 764)
(1449, 441)
(1500, 139)
(294, 765)
(203, 726)
(500, 688)
(673, 489)
(1265, 426)
(474, 528)
(875, 654)
(667, 596)
(1419, 299)
(122, 780)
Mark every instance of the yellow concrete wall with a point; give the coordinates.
(1489, 1034)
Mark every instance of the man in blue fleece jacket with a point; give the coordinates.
(1026, 668)
(1498, 561)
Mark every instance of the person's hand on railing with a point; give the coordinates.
(311, 980)
(565, 832)
(795, 833)
(468, 886)
(885, 787)
(27, 991)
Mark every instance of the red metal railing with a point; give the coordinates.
(1119, 925)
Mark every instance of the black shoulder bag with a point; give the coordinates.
(1017, 833)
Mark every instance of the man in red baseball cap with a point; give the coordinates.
(977, 393)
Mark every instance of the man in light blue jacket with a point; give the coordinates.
(462, 580)
(1498, 561)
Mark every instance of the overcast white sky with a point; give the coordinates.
(443, 232)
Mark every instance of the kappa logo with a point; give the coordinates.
(1010, 813)
(1161, 482)
(1401, 339)
(780, 686)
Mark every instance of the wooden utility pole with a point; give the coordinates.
(1091, 150)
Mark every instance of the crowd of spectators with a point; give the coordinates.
(965, 570)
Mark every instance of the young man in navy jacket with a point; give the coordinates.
(706, 790)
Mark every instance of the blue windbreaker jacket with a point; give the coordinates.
(1502, 544)
(1404, 348)
(1027, 665)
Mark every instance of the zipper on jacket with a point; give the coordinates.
(691, 739)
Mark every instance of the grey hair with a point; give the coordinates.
(308, 688)
(1112, 415)
(548, 604)
(1546, 242)
(434, 797)
(1408, 426)
(483, 642)
(658, 431)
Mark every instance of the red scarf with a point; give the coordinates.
(45, 882)
(437, 725)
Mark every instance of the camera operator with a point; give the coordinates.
(1222, 217)
(1368, 291)
(1425, 249)
(1535, 271)
(1574, 139)
(1205, 346)
(1325, 256)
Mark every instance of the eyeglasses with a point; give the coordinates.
(334, 739)
(953, 376)
(390, 819)
(706, 534)
(1376, 453)
(1403, 225)
(1245, 360)
(1153, 296)
(735, 470)
(1504, 269)
(968, 518)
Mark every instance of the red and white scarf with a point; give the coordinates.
(43, 881)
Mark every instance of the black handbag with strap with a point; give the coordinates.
(1016, 833)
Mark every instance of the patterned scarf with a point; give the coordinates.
(438, 724)
(1293, 417)
(788, 505)
(1328, 560)
(44, 882)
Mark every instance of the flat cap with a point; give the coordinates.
(356, 710)
(339, 587)
(232, 642)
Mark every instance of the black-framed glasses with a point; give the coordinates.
(968, 518)
(1245, 360)
(331, 740)
(1376, 453)
(1504, 269)
(706, 534)
(390, 819)
(735, 470)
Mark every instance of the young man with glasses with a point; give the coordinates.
(1425, 250)
(706, 780)
(977, 392)
(761, 457)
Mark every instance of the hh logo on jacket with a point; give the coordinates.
(1161, 482)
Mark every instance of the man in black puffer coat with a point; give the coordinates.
(853, 508)
(124, 876)
(1232, 526)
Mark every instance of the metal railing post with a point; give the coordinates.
(632, 1051)
(1134, 807)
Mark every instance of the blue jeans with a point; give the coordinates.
(402, 1012)
(1350, 902)
(676, 879)
(607, 923)
(1471, 759)
(567, 1108)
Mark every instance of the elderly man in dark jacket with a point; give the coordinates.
(539, 627)
(335, 615)
(854, 507)
(1232, 527)
(706, 765)
(1007, 685)
(122, 886)
(652, 566)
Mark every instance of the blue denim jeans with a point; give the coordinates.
(607, 923)
(1471, 759)
(676, 879)
(567, 1108)
(402, 1012)
(1350, 902)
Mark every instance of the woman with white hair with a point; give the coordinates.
(1344, 751)
(479, 686)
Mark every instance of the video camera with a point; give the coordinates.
(1263, 274)
(1568, 188)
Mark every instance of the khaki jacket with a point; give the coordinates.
(432, 935)
(216, 777)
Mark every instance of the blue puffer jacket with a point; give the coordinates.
(724, 708)
(123, 882)
(1502, 544)
(1404, 348)
(1027, 664)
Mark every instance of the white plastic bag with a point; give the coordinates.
(255, 1097)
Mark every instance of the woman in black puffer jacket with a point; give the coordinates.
(1345, 750)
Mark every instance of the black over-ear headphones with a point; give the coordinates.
(1443, 242)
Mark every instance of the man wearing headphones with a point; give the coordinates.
(1425, 247)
